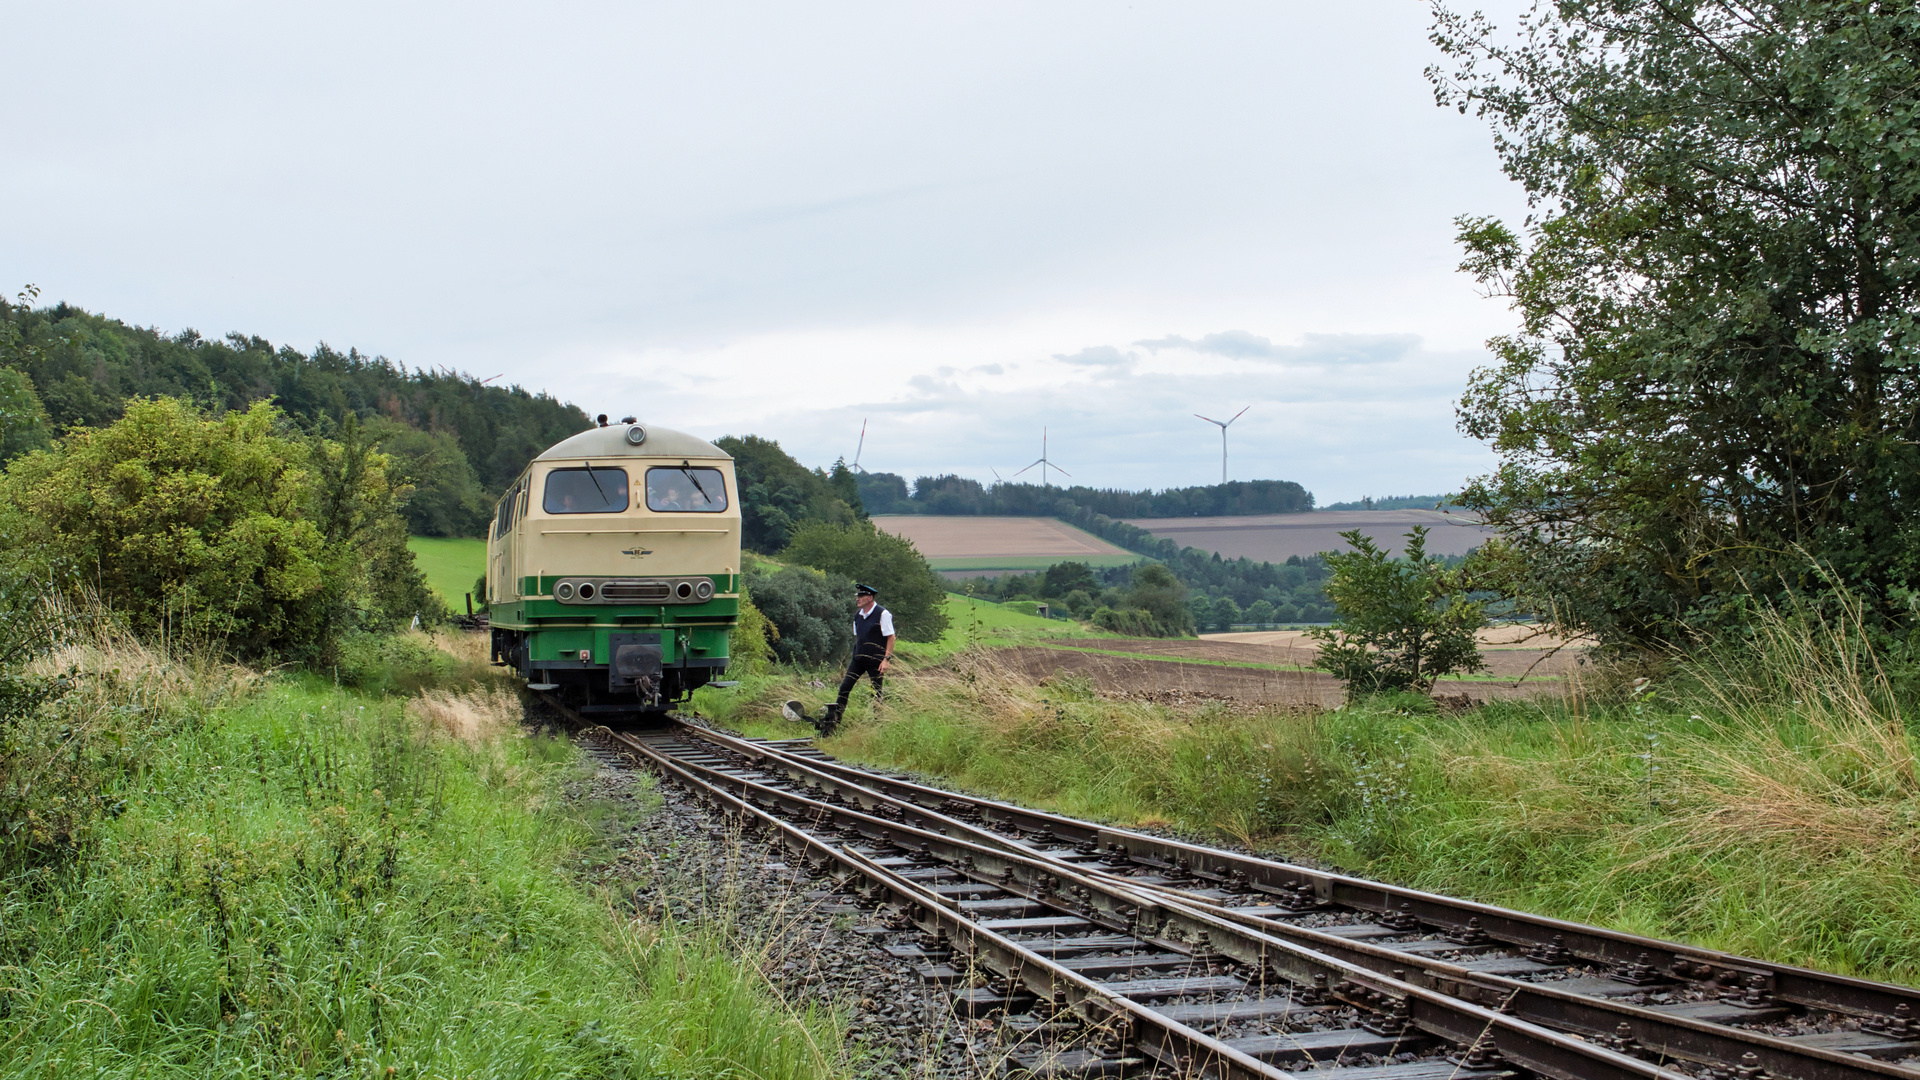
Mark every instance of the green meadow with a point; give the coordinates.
(451, 564)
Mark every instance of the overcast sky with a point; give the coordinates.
(961, 222)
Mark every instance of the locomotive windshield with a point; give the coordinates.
(590, 490)
(684, 488)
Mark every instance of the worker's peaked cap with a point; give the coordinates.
(864, 590)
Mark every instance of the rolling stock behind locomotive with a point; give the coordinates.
(613, 568)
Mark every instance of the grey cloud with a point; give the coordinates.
(1313, 348)
(1238, 344)
(927, 387)
(987, 369)
(1354, 348)
(1095, 356)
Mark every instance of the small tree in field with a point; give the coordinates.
(1225, 613)
(1403, 622)
(1260, 613)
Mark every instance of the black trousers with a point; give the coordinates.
(862, 665)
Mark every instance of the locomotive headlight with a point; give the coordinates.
(703, 590)
(586, 590)
(684, 590)
(636, 434)
(564, 590)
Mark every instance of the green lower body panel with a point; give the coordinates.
(616, 658)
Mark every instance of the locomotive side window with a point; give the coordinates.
(684, 488)
(592, 490)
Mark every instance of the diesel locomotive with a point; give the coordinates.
(613, 568)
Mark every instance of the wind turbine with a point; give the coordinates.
(857, 449)
(1044, 463)
(1223, 437)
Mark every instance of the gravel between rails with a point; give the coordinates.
(675, 861)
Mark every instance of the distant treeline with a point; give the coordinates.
(458, 442)
(1293, 591)
(887, 493)
(1399, 502)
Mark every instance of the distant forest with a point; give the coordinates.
(887, 493)
(459, 442)
(1400, 502)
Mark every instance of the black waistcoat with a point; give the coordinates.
(868, 642)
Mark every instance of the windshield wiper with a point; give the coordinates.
(696, 483)
(596, 484)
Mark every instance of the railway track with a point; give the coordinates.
(1108, 951)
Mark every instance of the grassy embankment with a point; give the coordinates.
(299, 880)
(1764, 801)
(451, 564)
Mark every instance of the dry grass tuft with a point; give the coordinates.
(475, 717)
(126, 670)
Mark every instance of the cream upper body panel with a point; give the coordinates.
(655, 533)
(616, 442)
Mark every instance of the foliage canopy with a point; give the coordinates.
(908, 587)
(779, 495)
(61, 366)
(1715, 385)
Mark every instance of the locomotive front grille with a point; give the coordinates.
(636, 592)
(688, 590)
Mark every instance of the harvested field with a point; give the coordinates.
(1010, 543)
(1161, 678)
(1276, 537)
(1510, 651)
(1221, 666)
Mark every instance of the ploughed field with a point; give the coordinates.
(966, 543)
(1270, 668)
(1276, 537)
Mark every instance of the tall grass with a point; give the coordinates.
(1760, 797)
(302, 880)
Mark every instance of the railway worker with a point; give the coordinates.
(872, 652)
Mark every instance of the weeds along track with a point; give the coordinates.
(1104, 951)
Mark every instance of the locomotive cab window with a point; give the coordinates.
(677, 488)
(589, 490)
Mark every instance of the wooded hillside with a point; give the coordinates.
(455, 439)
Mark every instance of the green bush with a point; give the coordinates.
(222, 530)
(750, 644)
(1154, 606)
(1132, 623)
(811, 612)
(908, 587)
(1403, 622)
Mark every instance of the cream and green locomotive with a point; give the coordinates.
(613, 568)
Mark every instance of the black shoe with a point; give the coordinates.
(829, 721)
